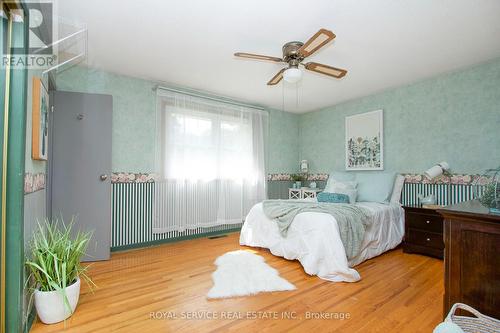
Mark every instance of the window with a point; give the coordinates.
(206, 146)
(211, 162)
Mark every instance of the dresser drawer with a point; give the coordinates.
(428, 239)
(427, 222)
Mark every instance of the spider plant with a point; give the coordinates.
(55, 257)
(297, 177)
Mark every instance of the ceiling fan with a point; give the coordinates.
(294, 53)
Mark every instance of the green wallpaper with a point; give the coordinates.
(453, 117)
(134, 117)
(283, 146)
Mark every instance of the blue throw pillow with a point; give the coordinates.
(332, 197)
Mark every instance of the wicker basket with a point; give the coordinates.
(478, 324)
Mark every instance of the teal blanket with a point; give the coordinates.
(351, 219)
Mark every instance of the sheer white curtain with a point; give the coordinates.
(210, 161)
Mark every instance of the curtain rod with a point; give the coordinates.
(212, 98)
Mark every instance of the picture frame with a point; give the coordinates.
(39, 120)
(364, 141)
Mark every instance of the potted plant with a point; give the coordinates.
(490, 196)
(297, 178)
(56, 270)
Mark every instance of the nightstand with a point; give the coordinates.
(303, 193)
(423, 232)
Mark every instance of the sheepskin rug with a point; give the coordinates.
(242, 273)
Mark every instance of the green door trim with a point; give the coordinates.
(13, 184)
(3, 121)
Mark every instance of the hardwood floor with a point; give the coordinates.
(141, 290)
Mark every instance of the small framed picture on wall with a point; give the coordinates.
(39, 120)
(364, 141)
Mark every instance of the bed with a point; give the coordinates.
(313, 239)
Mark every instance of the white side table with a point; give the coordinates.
(310, 193)
(303, 193)
(294, 193)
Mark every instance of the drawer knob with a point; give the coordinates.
(428, 239)
(428, 222)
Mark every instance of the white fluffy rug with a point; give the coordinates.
(241, 273)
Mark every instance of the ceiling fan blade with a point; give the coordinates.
(321, 38)
(257, 56)
(277, 78)
(325, 69)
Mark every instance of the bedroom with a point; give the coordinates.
(166, 133)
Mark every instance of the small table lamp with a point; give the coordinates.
(304, 168)
(439, 169)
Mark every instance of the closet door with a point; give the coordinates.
(80, 166)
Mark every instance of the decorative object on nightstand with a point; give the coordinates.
(423, 231)
(297, 178)
(428, 200)
(303, 193)
(437, 170)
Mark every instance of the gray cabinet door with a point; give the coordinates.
(80, 166)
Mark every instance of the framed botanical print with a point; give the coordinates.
(364, 141)
(39, 120)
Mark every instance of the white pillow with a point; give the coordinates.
(340, 176)
(347, 184)
(347, 187)
(375, 187)
(398, 187)
(342, 188)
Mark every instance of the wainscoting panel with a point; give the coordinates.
(278, 189)
(409, 196)
(132, 204)
(448, 190)
(456, 192)
(132, 218)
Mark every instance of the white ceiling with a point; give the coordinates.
(190, 43)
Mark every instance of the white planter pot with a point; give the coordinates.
(50, 305)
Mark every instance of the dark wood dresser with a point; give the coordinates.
(423, 232)
(472, 257)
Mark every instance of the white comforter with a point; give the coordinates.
(314, 240)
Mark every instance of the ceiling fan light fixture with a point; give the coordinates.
(292, 75)
(294, 53)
